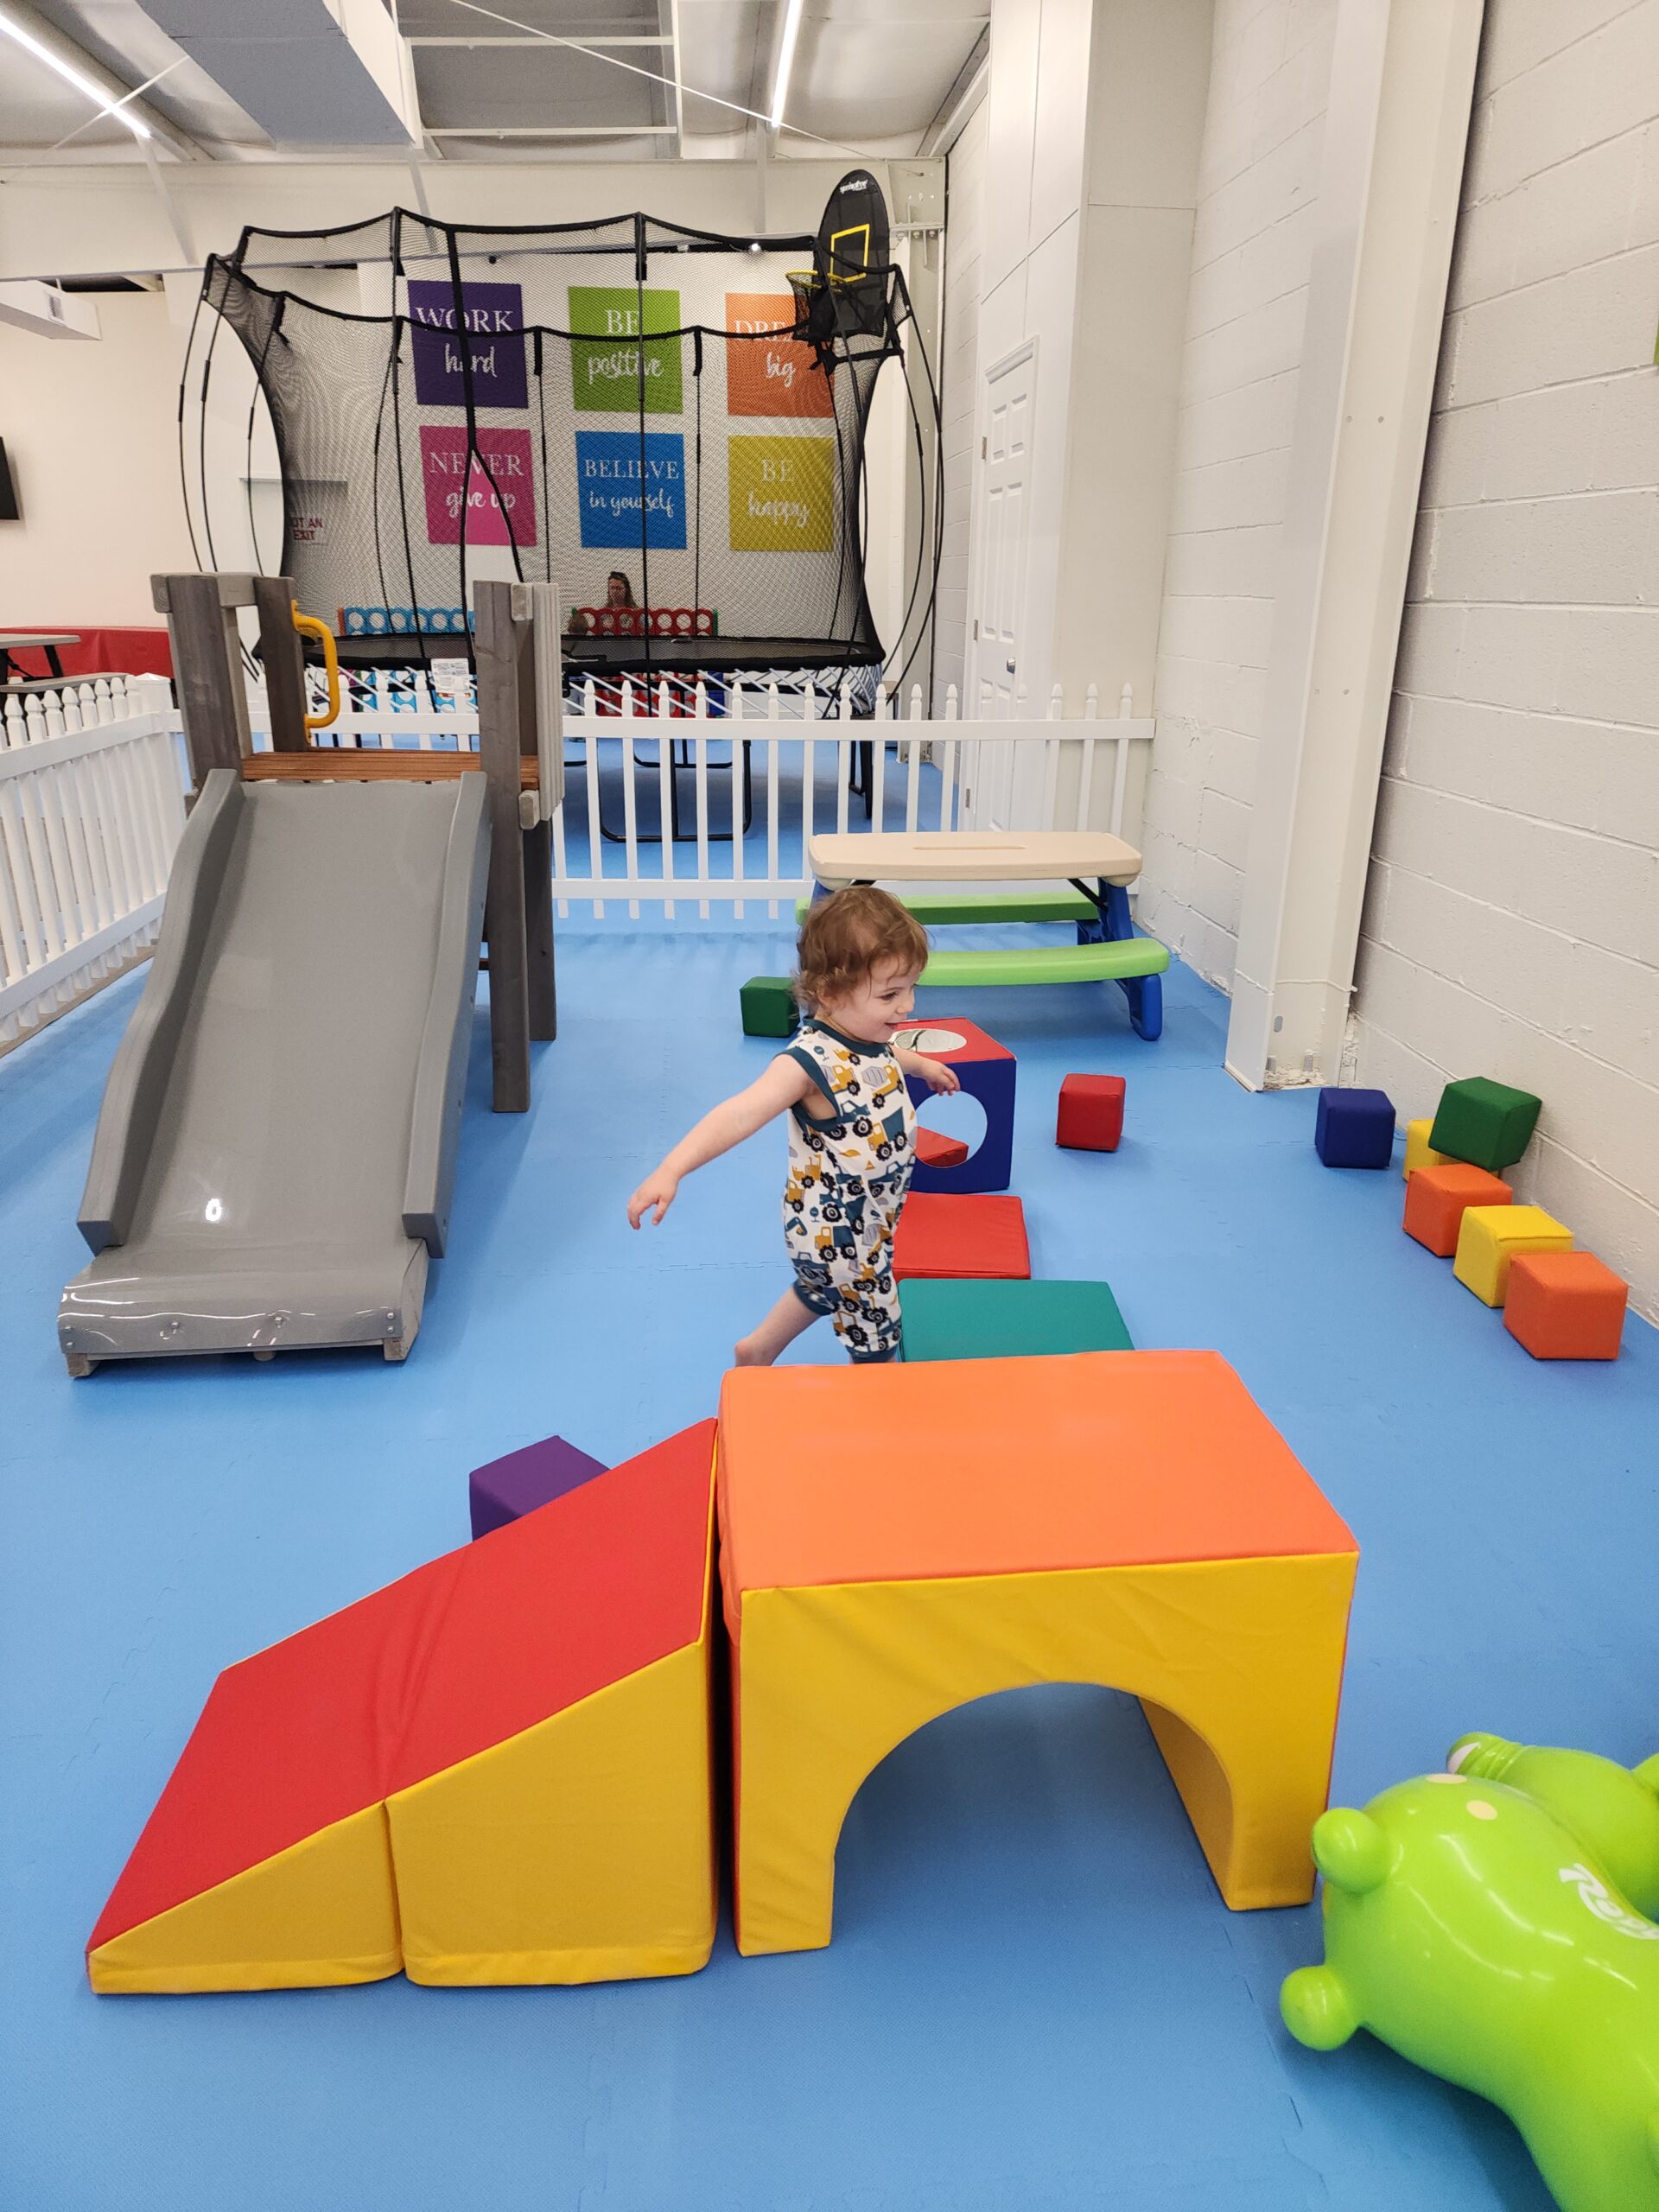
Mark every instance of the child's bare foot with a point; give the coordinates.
(749, 1352)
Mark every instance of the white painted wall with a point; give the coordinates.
(92, 434)
(1037, 109)
(1149, 65)
(1091, 169)
(1512, 923)
(1270, 73)
(959, 392)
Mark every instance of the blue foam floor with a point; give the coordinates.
(1034, 1999)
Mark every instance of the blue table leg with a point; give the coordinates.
(1145, 993)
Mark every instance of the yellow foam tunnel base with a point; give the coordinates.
(581, 1850)
(1238, 1663)
(320, 1913)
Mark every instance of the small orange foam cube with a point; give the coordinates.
(1566, 1305)
(1436, 1199)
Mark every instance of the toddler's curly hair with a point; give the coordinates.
(850, 934)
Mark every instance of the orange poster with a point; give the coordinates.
(768, 375)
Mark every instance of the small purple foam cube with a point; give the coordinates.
(507, 1488)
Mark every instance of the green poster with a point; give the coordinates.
(605, 369)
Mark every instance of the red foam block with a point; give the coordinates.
(980, 1236)
(1091, 1113)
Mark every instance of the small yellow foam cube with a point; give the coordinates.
(1489, 1238)
(1419, 1151)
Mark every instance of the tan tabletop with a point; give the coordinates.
(972, 855)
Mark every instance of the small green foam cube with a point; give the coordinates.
(768, 1007)
(1487, 1124)
(947, 1318)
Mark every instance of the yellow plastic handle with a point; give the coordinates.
(310, 625)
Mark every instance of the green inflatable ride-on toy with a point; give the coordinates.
(1494, 1924)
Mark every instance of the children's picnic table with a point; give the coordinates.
(1094, 866)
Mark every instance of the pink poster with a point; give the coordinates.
(499, 507)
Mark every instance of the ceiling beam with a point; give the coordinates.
(668, 19)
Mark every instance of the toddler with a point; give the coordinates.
(850, 1126)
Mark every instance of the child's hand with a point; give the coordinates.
(657, 1191)
(937, 1075)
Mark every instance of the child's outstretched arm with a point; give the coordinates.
(937, 1075)
(784, 1083)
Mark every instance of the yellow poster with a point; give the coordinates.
(783, 494)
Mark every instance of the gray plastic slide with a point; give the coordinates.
(276, 1147)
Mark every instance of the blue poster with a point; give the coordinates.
(616, 469)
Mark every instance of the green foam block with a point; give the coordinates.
(1486, 1124)
(769, 1008)
(954, 1320)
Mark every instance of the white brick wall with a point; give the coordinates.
(959, 380)
(1512, 920)
(1269, 71)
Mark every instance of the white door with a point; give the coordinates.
(1004, 527)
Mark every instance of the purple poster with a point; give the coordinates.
(493, 319)
(498, 509)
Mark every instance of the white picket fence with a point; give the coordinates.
(91, 805)
(92, 799)
(784, 758)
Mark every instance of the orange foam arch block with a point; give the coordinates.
(1130, 1518)
(496, 1769)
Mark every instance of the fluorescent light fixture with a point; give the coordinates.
(785, 59)
(71, 75)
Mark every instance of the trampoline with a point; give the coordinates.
(567, 403)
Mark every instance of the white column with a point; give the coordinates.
(1401, 85)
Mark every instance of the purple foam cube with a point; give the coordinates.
(507, 1488)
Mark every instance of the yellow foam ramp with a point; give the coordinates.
(543, 1858)
(319, 1913)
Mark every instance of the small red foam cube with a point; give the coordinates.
(1565, 1306)
(1091, 1113)
(941, 1234)
(1438, 1197)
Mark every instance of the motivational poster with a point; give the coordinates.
(608, 369)
(768, 375)
(782, 493)
(489, 329)
(497, 509)
(623, 480)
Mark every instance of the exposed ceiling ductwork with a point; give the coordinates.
(318, 72)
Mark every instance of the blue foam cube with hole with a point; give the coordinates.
(1355, 1128)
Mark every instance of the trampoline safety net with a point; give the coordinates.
(569, 403)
